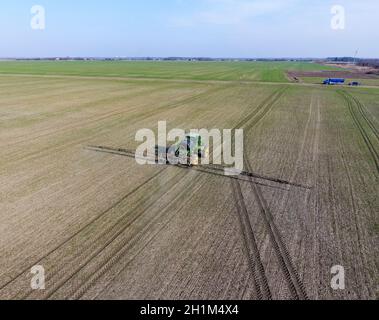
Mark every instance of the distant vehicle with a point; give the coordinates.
(334, 81)
(354, 84)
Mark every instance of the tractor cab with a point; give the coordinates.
(190, 150)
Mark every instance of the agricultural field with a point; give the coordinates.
(221, 71)
(104, 227)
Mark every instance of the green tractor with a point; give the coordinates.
(189, 151)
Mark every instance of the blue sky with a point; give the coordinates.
(214, 28)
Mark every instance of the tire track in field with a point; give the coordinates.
(291, 276)
(113, 233)
(314, 238)
(293, 280)
(250, 246)
(354, 210)
(295, 285)
(309, 141)
(265, 110)
(353, 112)
(127, 244)
(262, 109)
(171, 285)
(363, 277)
(96, 219)
(363, 111)
(250, 243)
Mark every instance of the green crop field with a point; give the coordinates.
(105, 227)
(231, 71)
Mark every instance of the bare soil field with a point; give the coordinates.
(354, 67)
(104, 227)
